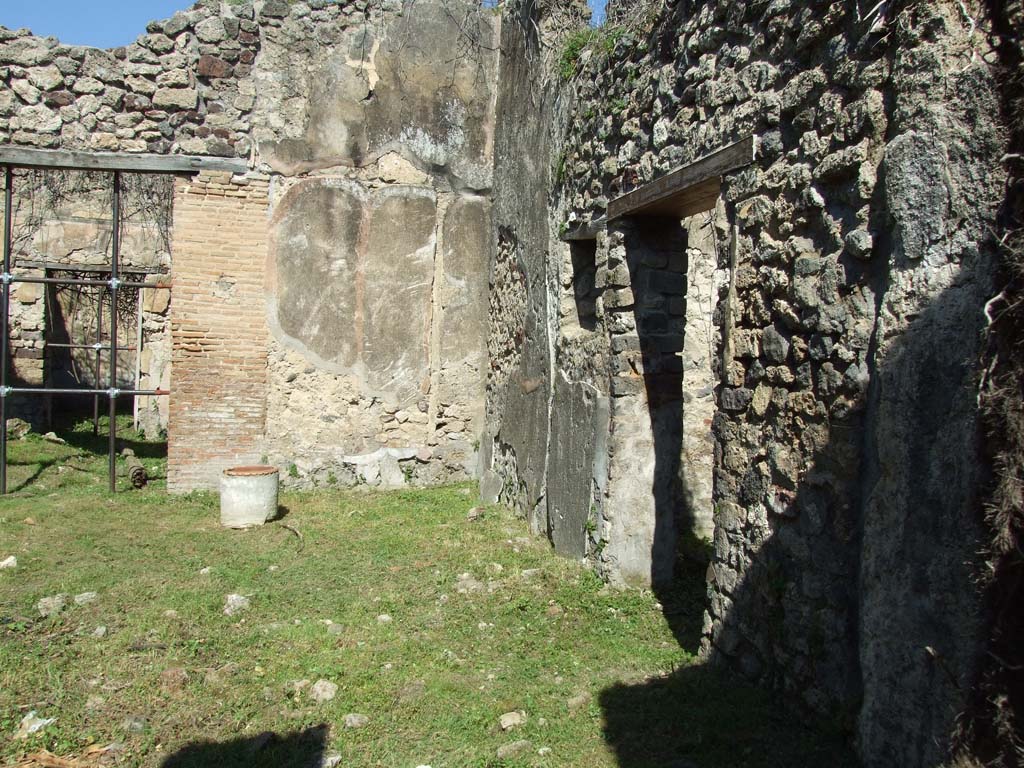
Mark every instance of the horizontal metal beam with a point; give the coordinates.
(94, 347)
(107, 392)
(686, 190)
(57, 266)
(71, 160)
(82, 281)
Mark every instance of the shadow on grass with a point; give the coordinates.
(76, 443)
(41, 465)
(298, 749)
(701, 718)
(98, 444)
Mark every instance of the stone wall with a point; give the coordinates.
(794, 365)
(185, 86)
(379, 130)
(372, 125)
(843, 274)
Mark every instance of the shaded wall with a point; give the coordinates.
(846, 469)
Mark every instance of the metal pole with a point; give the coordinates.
(96, 374)
(79, 391)
(115, 250)
(5, 297)
(82, 281)
(99, 347)
(138, 356)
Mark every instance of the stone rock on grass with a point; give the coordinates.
(219, 676)
(51, 437)
(412, 691)
(578, 702)
(491, 486)
(17, 429)
(134, 724)
(513, 749)
(467, 584)
(10, 562)
(323, 691)
(31, 724)
(355, 720)
(84, 598)
(512, 720)
(51, 606)
(173, 680)
(235, 603)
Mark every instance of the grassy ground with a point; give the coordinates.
(173, 681)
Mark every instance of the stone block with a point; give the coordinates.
(490, 487)
(211, 30)
(157, 300)
(574, 419)
(664, 281)
(176, 98)
(46, 78)
(735, 399)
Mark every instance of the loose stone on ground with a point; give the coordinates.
(323, 691)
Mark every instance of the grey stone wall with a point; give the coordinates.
(184, 86)
(526, 280)
(850, 265)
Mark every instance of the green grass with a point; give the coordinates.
(600, 41)
(433, 681)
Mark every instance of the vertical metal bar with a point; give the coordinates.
(5, 298)
(115, 251)
(96, 370)
(138, 355)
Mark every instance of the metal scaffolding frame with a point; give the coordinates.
(113, 285)
(70, 160)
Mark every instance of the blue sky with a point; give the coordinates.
(106, 23)
(103, 23)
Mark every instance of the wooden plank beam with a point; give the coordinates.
(64, 159)
(682, 192)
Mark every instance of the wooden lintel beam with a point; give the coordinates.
(130, 162)
(657, 196)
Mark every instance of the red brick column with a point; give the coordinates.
(218, 326)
